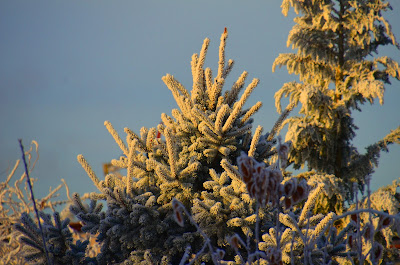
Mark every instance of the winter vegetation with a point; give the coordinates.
(206, 187)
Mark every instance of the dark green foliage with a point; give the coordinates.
(58, 241)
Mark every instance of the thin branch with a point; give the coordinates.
(28, 180)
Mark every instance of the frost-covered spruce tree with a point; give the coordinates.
(337, 44)
(191, 157)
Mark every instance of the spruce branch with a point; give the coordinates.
(363, 165)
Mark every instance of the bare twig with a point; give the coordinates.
(28, 180)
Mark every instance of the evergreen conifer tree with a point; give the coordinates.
(337, 42)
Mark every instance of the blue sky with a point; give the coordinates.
(67, 66)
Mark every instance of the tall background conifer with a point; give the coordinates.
(337, 45)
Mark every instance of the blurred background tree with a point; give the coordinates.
(337, 44)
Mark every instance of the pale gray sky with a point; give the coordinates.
(67, 66)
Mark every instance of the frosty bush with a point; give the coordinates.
(196, 164)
